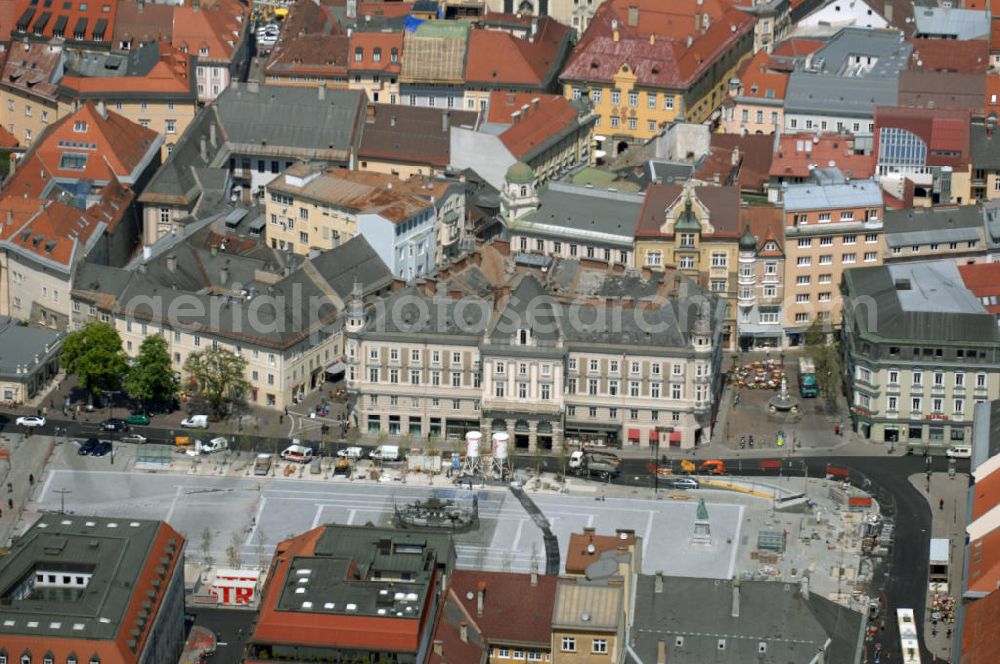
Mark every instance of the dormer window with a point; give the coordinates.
(377, 54)
(80, 126)
(203, 51)
(394, 55)
(359, 53)
(523, 337)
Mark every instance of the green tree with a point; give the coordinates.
(218, 376)
(826, 355)
(94, 355)
(206, 546)
(151, 378)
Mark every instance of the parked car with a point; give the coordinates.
(134, 438)
(138, 418)
(87, 446)
(114, 424)
(297, 453)
(30, 421)
(959, 451)
(385, 453)
(351, 453)
(195, 422)
(682, 483)
(101, 449)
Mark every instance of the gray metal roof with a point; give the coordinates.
(112, 551)
(932, 225)
(568, 211)
(853, 194)
(985, 143)
(836, 83)
(991, 217)
(25, 346)
(985, 433)
(917, 302)
(948, 21)
(775, 624)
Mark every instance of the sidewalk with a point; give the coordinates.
(947, 521)
(20, 473)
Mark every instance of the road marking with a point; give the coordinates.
(350, 519)
(173, 504)
(517, 537)
(256, 520)
(590, 521)
(45, 487)
(649, 529)
(319, 513)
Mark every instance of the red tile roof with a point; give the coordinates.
(171, 75)
(983, 279)
(94, 20)
(797, 151)
(656, 46)
(797, 48)
(140, 22)
(971, 56)
(7, 139)
(115, 144)
(8, 16)
(513, 609)
(763, 77)
(539, 118)
(368, 42)
(946, 132)
(980, 636)
(579, 554)
(986, 492)
(448, 636)
(984, 562)
(767, 223)
(317, 629)
(33, 68)
(386, 9)
(217, 27)
(532, 63)
(992, 103)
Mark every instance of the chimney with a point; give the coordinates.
(172, 262)
(322, 91)
(224, 275)
(534, 576)
(445, 121)
(736, 156)
(736, 598)
(392, 120)
(370, 115)
(253, 86)
(10, 217)
(439, 648)
(203, 148)
(652, 39)
(102, 110)
(212, 136)
(463, 631)
(658, 583)
(804, 587)
(661, 652)
(481, 599)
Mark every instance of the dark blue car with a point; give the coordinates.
(87, 446)
(101, 449)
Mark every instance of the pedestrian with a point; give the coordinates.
(31, 479)
(10, 488)
(941, 504)
(10, 503)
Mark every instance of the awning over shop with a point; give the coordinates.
(675, 436)
(653, 435)
(633, 434)
(336, 368)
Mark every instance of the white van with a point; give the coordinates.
(959, 451)
(297, 453)
(195, 422)
(385, 453)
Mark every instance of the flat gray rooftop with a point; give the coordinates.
(935, 286)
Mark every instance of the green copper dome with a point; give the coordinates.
(520, 173)
(748, 242)
(687, 221)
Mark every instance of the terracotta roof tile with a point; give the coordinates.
(533, 63)
(447, 632)
(8, 17)
(796, 152)
(544, 117)
(579, 553)
(385, 9)
(946, 132)
(763, 77)
(7, 139)
(797, 48)
(513, 609)
(368, 42)
(217, 28)
(94, 19)
(755, 155)
(984, 562)
(143, 22)
(411, 134)
(171, 75)
(33, 67)
(971, 56)
(980, 636)
(311, 54)
(983, 279)
(766, 222)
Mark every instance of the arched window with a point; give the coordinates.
(26, 657)
(95, 659)
(524, 190)
(49, 658)
(71, 658)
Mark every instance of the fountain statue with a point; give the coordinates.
(783, 402)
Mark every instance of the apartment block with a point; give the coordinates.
(831, 224)
(920, 350)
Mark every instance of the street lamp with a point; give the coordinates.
(656, 467)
